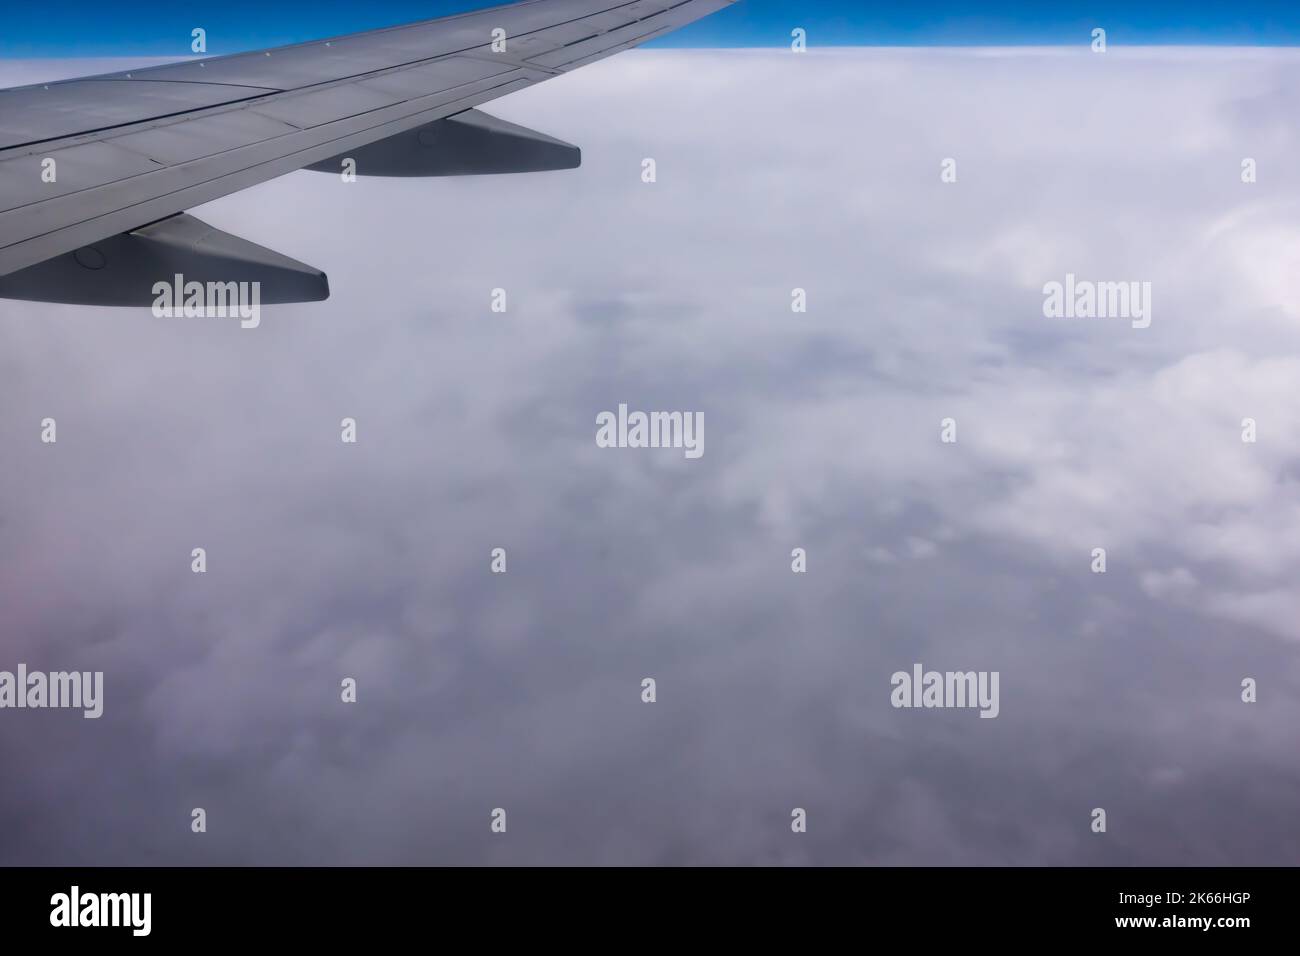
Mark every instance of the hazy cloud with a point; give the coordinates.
(476, 430)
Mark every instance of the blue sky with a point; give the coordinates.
(157, 27)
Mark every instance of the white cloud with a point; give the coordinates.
(477, 430)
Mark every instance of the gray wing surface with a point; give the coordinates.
(128, 150)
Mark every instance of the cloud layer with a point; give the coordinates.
(476, 431)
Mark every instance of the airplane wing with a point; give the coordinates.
(96, 173)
